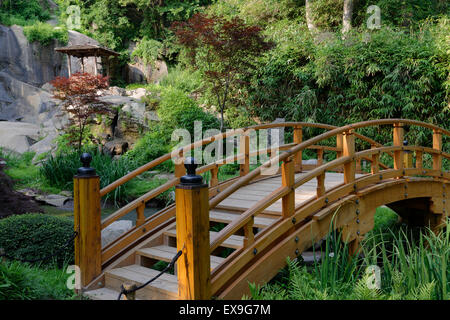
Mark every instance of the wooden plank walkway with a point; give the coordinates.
(248, 196)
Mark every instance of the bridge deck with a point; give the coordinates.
(247, 196)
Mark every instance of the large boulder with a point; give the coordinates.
(18, 136)
(31, 63)
(20, 101)
(25, 71)
(115, 230)
(140, 72)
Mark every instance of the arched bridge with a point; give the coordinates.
(271, 211)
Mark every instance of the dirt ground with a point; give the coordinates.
(12, 202)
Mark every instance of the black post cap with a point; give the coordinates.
(86, 170)
(191, 178)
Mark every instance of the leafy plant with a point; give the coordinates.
(80, 100)
(224, 50)
(36, 236)
(45, 33)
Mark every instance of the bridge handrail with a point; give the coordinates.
(247, 216)
(112, 186)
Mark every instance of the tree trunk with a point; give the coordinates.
(347, 16)
(221, 119)
(309, 17)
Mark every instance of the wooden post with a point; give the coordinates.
(140, 219)
(319, 157)
(437, 145)
(298, 137)
(419, 160)
(214, 176)
(375, 164)
(249, 236)
(398, 142)
(132, 295)
(95, 65)
(407, 157)
(340, 146)
(69, 65)
(348, 150)
(192, 214)
(82, 64)
(320, 190)
(288, 180)
(180, 170)
(244, 148)
(88, 246)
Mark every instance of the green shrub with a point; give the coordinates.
(35, 236)
(45, 33)
(149, 50)
(183, 79)
(22, 12)
(178, 110)
(152, 145)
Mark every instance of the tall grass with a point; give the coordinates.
(411, 267)
(59, 170)
(20, 281)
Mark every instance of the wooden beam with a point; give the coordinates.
(192, 211)
(298, 138)
(87, 215)
(288, 180)
(398, 134)
(69, 65)
(437, 145)
(348, 150)
(244, 148)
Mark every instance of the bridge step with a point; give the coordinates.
(233, 242)
(165, 287)
(103, 294)
(228, 217)
(166, 253)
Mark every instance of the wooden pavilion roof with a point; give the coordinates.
(87, 50)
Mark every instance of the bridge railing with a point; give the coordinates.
(348, 158)
(144, 224)
(290, 158)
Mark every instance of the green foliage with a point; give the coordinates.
(35, 236)
(25, 282)
(390, 74)
(183, 79)
(412, 268)
(24, 173)
(152, 145)
(148, 50)
(141, 185)
(22, 12)
(59, 170)
(45, 33)
(178, 111)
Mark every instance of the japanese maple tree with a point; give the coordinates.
(80, 97)
(224, 50)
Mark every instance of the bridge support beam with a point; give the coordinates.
(398, 135)
(298, 138)
(86, 191)
(192, 214)
(437, 145)
(348, 150)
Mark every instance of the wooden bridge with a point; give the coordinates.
(269, 214)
